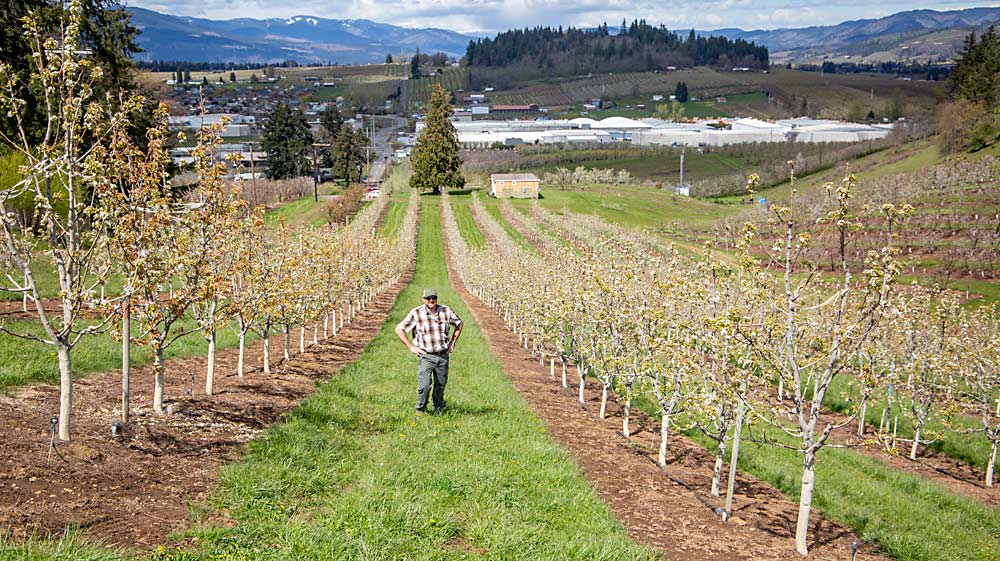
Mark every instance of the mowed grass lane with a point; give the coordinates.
(355, 473)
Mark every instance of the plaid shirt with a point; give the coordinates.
(430, 329)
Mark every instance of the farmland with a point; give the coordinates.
(796, 372)
(794, 92)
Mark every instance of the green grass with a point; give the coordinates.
(354, 473)
(302, 211)
(393, 221)
(466, 223)
(68, 547)
(638, 207)
(27, 362)
(493, 207)
(909, 518)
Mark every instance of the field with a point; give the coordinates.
(795, 93)
(487, 479)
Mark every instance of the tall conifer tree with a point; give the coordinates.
(436, 164)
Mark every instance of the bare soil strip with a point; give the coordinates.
(134, 490)
(655, 510)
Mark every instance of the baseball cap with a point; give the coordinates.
(430, 292)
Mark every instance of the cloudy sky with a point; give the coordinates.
(496, 15)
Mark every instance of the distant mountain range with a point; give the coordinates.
(916, 34)
(304, 39)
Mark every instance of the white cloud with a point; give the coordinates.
(497, 15)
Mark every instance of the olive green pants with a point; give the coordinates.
(432, 376)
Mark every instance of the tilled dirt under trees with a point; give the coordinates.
(134, 490)
(654, 509)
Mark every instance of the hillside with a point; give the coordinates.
(922, 34)
(304, 39)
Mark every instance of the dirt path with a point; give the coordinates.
(655, 510)
(132, 491)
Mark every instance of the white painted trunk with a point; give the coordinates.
(242, 353)
(916, 443)
(286, 351)
(805, 503)
(664, 438)
(316, 334)
(604, 401)
(267, 351)
(552, 368)
(990, 465)
(126, 360)
(326, 325)
(302, 339)
(720, 457)
(781, 389)
(333, 314)
(210, 372)
(626, 412)
(861, 418)
(582, 372)
(65, 390)
(159, 381)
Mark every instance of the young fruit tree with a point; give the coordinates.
(823, 325)
(64, 177)
(981, 381)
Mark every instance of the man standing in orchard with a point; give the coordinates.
(430, 324)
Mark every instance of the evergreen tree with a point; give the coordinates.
(204, 80)
(232, 77)
(681, 92)
(435, 159)
(388, 58)
(330, 122)
(415, 65)
(288, 143)
(977, 69)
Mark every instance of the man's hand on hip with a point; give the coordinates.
(417, 350)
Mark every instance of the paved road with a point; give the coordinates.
(382, 150)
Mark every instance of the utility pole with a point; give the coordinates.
(253, 178)
(316, 169)
(683, 149)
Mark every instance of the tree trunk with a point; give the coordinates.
(210, 374)
(626, 411)
(720, 456)
(564, 383)
(302, 339)
(287, 347)
(326, 325)
(805, 502)
(916, 443)
(990, 465)
(65, 389)
(243, 348)
(126, 359)
(552, 368)
(316, 334)
(861, 418)
(664, 437)
(583, 379)
(159, 380)
(604, 400)
(267, 349)
(333, 314)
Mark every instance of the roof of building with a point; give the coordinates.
(513, 177)
(512, 107)
(620, 123)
